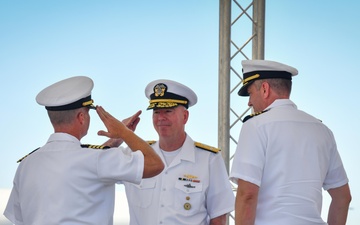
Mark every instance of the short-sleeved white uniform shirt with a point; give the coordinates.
(291, 156)
(63, 183)
(191, 190)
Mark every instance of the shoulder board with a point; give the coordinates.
(207, 147)
(151, 142)
(95, 146)
(254, 114)
(27, 155)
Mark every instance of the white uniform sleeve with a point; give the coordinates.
(13, 211)
(115, 165)
(249, 159)
(220, 197)
(336, 176)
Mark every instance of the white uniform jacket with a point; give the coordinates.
(62, 183)
(291, 156)
(191, 190)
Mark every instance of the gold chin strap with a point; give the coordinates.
(89, 104)
(165, 103)
(168, 100)
(251, 78)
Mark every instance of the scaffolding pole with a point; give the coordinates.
(224, 79)
(257, 38)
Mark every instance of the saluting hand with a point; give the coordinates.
(115, 127)
(131, 123)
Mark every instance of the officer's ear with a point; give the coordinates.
(265, 89)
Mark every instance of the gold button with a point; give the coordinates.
(187, 206)
(188, 198)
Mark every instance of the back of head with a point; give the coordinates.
(64, 117)
(280, 87)
(65, 98)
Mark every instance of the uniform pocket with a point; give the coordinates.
(141, 194)
(189, 197)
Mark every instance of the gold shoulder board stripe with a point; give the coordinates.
(95, 146)
(207, 147)
(27, 155)
(252, 115)
(151, 142)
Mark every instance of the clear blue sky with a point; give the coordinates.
(123, 45)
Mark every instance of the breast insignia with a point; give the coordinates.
(207, 147)
(95, 146)
(27, 155)
(151, 142)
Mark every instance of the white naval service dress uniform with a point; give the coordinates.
(192, 189)
(63, 183)
(290, 171)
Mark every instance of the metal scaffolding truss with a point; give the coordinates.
(241, 36)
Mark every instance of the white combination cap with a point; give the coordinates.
(263, 69)
(71, 93)
(168, 94)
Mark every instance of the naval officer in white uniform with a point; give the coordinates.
(194, 187)
(64, 182)
(284, 157)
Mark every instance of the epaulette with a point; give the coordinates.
(95, 146)
(151, 142)
(27, 155)
(207, 147)
(254, 114)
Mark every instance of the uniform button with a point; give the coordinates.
(187, 206)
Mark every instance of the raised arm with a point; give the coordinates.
(131, 123)
(153, 164)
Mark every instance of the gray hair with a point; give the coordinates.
(280, 86)
(63, 117)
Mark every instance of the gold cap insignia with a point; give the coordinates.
(160, 89)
